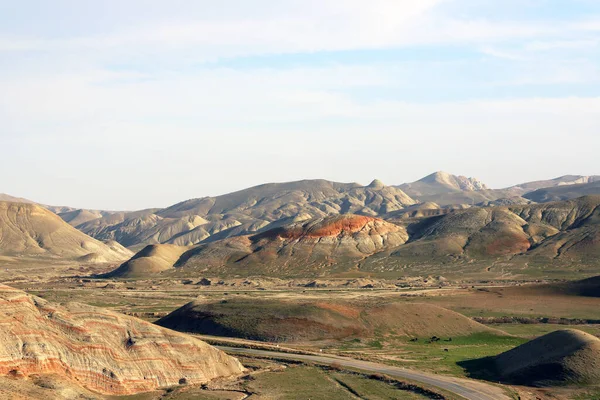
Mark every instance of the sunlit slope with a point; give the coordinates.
(31, 230)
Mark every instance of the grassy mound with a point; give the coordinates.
(560, 357)
(287, 321)
(563, 357)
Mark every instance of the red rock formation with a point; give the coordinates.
(104, 351)
(345, 224)
(334, 226)
(301, 247)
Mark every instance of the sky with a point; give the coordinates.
(131, 104)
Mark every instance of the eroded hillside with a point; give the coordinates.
(103, 351)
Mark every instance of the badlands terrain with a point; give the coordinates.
(439, 288)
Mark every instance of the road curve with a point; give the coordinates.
(469, 389)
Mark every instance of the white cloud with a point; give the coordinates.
(322, 25)
(67, 117)
(490, 51)
(546, 45)
(309, 27)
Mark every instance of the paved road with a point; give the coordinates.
(469, 389)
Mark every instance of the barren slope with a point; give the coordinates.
(568, 230)
(29, 229)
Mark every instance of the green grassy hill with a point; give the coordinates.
(277, 320)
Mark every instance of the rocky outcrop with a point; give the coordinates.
(104, 351)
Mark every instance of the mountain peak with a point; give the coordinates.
(376, 184)
(457, 182)
(438, 176)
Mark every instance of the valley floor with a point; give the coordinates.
(152, 299)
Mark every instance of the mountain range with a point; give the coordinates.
(316, 227)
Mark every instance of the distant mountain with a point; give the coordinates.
(564, 192)
(268, 206)
(29, 229)
(440, 183)
(560, 181)
(447, 189)
(245, 212)
(139, 227)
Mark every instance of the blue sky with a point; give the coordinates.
(143, 103)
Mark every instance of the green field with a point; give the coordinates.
(317, 384)
(430, 356)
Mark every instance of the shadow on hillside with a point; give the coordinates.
(480, 368)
